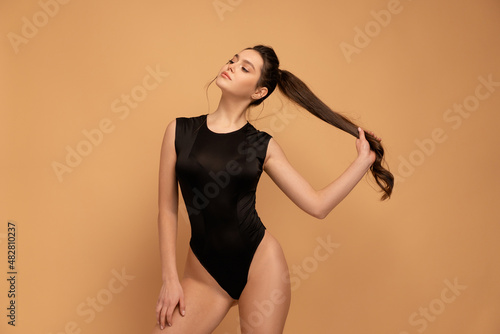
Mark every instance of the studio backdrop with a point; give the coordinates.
(88, 87)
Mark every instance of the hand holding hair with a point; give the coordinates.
(363, 147)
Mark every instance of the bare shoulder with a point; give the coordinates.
(171, 126)
(274, 150)
(169, 135)
(276, 159)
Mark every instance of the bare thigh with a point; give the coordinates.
(265, 301)
(206, 302)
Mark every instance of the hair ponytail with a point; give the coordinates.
(297, 91)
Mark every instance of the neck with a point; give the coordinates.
(230, 112)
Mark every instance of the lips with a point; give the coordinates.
(226, 75)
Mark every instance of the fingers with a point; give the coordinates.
(361, 142)
(361, 131)
(164, 315)
(166, 305)
(361, 134)
(169, 312)
(182, 306)
(158, 312)
(362, 145)
(375, 136)
(162, 312)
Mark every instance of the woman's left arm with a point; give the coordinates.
(317, 203)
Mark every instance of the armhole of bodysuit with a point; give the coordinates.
(176, 136)
(265, 151)
(185, 128)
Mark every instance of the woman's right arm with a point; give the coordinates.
(171, 293)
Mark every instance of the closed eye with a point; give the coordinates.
(231, 61)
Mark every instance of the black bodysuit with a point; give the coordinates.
(218, 175)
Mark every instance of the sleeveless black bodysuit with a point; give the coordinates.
(218, 175)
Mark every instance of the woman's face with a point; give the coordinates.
(240, 75)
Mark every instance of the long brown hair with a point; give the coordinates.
(297, 91)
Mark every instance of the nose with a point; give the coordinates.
(230, 67)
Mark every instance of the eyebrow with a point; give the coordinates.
(245, 61)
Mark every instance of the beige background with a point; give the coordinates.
(68, 73)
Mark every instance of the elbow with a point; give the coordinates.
(321, 216)
(319, 208)
(319, 213)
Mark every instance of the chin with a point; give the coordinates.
(218, 81)
(221, 83)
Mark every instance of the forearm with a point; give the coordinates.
(317, 203)
(167, 230)
(330, 196)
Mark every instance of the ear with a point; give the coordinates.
(259, 93)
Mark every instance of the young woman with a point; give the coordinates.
(217, 160)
